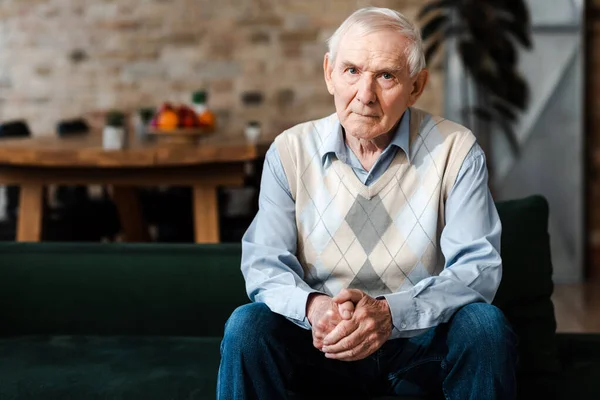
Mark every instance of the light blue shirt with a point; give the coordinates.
(470, 242)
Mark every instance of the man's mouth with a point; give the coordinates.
(366, 115)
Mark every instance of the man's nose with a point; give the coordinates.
(366, 90)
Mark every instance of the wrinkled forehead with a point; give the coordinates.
(387, 45)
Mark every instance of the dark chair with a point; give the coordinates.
(70, 196)
(170, 211)
(12, 129)
(70, 127)
(239, 205)
(83, 218)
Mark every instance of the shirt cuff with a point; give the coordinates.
(297, 306)
(404, 314)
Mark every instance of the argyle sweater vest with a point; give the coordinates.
(380, 238)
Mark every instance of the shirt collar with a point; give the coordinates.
(334, 142)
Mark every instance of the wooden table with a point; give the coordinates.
(33, 163)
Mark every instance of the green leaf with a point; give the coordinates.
(517, 91)
(475, 15)
(435, 6)
(503, 51)
(504, 110)
(432, 49)
(516, 8)
(115, 118)
(472, 55)
(434, 26)
(520, 32)
(481, 113)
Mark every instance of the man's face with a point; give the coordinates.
(370, 82)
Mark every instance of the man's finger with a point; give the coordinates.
(328, 321)
(346, 309)
(355, 339)
(321, 326)
(363, 350)
(342, 330)
(353, 295)
(318, 344)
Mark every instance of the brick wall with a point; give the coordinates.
(70, 58)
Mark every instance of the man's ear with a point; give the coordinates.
(418, 86)
(327, 71)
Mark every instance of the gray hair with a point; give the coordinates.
(373, 19)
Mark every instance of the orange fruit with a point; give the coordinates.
(168, 119)
(207, 119)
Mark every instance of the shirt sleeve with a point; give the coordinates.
(470, 243)
(271, 270)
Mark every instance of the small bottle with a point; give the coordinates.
(207, 118)
(252, 131)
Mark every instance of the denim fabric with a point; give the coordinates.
(265, 356)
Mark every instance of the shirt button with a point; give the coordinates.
(403, 325)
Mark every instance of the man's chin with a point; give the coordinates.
(364, 133)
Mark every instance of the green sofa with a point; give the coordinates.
(132, 321)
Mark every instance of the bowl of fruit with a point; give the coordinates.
(179, 124)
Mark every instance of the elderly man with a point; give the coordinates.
(374, 257)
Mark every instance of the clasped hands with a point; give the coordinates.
(350, 326)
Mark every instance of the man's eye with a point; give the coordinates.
(352, 70)
(387, 75)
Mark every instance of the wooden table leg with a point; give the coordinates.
(130, 214)
(206, 214)
(29, 227)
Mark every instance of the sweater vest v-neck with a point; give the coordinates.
(380, 238)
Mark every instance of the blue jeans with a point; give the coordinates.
(264, 356)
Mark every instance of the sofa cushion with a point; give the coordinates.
(525, 292)
(111, 367)
(118, 288)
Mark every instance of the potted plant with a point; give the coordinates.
(142, 121)
(488, 35)
(114, 134)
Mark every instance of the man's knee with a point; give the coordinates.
(247, 326)
(482, 326)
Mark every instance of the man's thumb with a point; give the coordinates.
(353, 295)
(346, 309)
